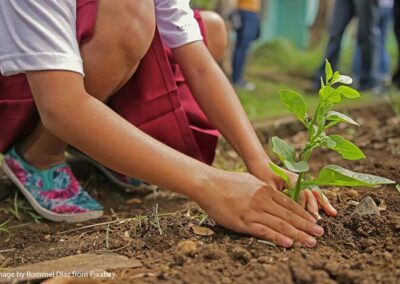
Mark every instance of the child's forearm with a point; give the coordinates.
(219, 101)
(82, 121)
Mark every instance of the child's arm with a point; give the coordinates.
(219, 101)
(237, 201)
(217, 98)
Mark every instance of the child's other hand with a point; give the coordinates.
(311, 200)
(245, 204)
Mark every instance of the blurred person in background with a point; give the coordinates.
(247, 30)
(383, 65)
(396, 13)
(367, 12)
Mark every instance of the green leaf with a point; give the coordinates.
(344, 147)
(280, 172)
(335, 76)
(287, 155)
(328, 71)
(348, 92)
(337, 176)
(330, 95)
(398, 187)
(297, 167)
(294, 102)
(283, 150)
(340, 117)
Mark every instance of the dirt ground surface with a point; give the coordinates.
(161, 230)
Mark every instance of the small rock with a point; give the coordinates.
(388, 256)
(202, 231)
(187, 248)
(211, 252)
(332, 267)
(367, 207)
(47, 237)
(352, 193)
(366, 243)
(226, 280)
(241, 254)
(264, 259)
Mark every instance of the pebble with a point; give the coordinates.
(388, 256)
(352, 193)
(367, 207)
(226, 280)
(264, 259)
(187, 248)
(332, 267)
(241, 254)
(365, 243)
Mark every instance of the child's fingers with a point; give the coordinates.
(302, 199)
(290, 204)
(263, 232)
(312, 204)
(325, 204)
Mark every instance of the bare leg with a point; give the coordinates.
(110, 59)
(217, 35)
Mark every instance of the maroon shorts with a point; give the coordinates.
(156, 99)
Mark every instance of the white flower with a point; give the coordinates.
(344, 80)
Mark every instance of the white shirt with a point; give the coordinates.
(41, 34)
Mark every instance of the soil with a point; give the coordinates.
(354, 249)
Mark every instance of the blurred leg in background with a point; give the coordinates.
(396, 13)
(247, 32)
(367, 12)
(343, 12)
(383, 64)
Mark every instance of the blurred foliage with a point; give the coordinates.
(279, 65)
(203, 4)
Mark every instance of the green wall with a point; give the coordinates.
(289, 19)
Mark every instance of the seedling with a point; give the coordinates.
(333, 91)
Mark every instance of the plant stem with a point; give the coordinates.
(297, 188)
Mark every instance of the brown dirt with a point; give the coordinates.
(354, 249)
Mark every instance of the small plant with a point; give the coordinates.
(333, 91)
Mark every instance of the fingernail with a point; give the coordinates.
(317, 216)
(318, 231)
(310, 241)
(287, 243)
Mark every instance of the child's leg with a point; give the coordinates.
(216, 34)
(110, 58)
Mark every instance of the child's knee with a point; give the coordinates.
(137, 28)
(124, 32)
(216, 32)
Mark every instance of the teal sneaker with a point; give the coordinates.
(130, 184)
(54, 193)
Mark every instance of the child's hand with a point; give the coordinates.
(245, 204)
(309, 199)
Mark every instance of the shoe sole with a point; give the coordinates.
(143, 189)
(69, 218)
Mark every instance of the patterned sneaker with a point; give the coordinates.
(130, 184)
(54, 193)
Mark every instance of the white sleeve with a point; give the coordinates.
(38, 35)
(176, 22)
